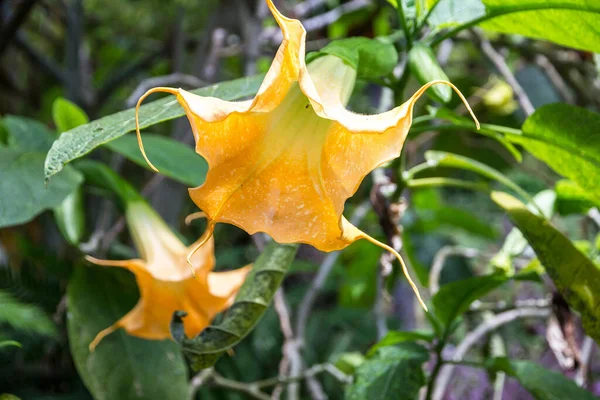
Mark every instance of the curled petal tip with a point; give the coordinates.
(194, 216)
(137, 119)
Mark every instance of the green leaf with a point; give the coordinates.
(570, 23)
(70, 217)
(25, 317)
(172, 158)
(444, 159)
(572, 199)
(27, 134)
(122, 366)
(393, 372)
(83, 139)
(450, 13)
(575, 275)
(371, 58)
(567, 139)
(542, 383)
(8, 343)
(22, 184)
(515, 243)
(454, 298)
(102, 176)
(67, 115)
(252, 300)
(425, 68)
(394, 337)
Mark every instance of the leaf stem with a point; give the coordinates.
(402, 18)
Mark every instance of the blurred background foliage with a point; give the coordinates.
(101, 55)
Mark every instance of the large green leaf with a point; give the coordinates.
(250, 304)
(83, 139)
(572, 199)
(425, 68)
(575, 275)
(542, 383)
(568, 140)
(27, 134)
(24, 194)
(393, 372)
(122, 366)
(571, 23)
(454, 298)
(172, 158)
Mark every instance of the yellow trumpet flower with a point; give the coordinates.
(286, 161)
(166, 282)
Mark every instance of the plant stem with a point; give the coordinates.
(402, 18)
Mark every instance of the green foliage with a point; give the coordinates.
(572, 199)
(250, 304)
(392, 338)
(172, 158)
(575, 275)
(371, 58)
(67, 115)
(425, 68)
(21, 173)
(567, 22)
(83, 139)
(454, 298)
(393, 372)
(542, 383)
(566, 138)
(25, 317)
(570, 23)
(122, 366)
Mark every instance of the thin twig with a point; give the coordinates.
(475, 336)
(46, 64)
(318, 281)
(587, 348)
(500, 63)
(13, 24)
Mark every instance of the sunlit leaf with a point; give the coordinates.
(575, 275)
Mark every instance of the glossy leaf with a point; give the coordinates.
(67, 115)
(22, 176)
(515, 243)
(542, 383)
(395, 337)
(572, 199)
(172, 158)
(425, 68)
(570, 23)
(575, 275)
(371, 58)
(83, 139)
(454, 298)
(567, 139)
(250, 304)
(393, 372)
(123, 367)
